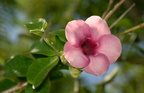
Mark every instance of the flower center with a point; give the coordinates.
(88, 47)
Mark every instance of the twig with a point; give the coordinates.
(122, 15)
(111, 75)
(16, 88)
(108, 7)
(131, 29)
(114, 9)
(136, 61)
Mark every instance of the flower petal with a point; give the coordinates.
(76, 32)
(110, 46)
(98, 26)
(98, 65)
(75, 56)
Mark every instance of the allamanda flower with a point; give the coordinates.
(90, 45)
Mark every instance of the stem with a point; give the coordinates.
(76, 85)
(103, 88)
(114, 9)
(122, 15)
(100, 88)
(131, 29)
(107, 9)
(16, 88)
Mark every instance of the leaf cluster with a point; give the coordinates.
(36, 68)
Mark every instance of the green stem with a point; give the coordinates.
(76, 85)
(100, 88)
(131, 29)
(103, 88)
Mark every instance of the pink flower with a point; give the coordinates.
(90, 45)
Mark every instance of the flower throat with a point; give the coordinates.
(88, 47)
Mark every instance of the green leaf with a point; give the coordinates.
(37, 26)
(44, 88)
(39, 70)
(60, 34)
(6, 84)
(57, 43)
(17, 66)
(55, 73)
(41, 47)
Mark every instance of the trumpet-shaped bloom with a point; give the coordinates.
(90, 45)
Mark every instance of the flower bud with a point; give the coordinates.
(75, 72)
(63, 60)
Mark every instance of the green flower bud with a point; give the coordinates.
(63, 60)
(75, 72)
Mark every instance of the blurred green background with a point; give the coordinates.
(15, 38)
